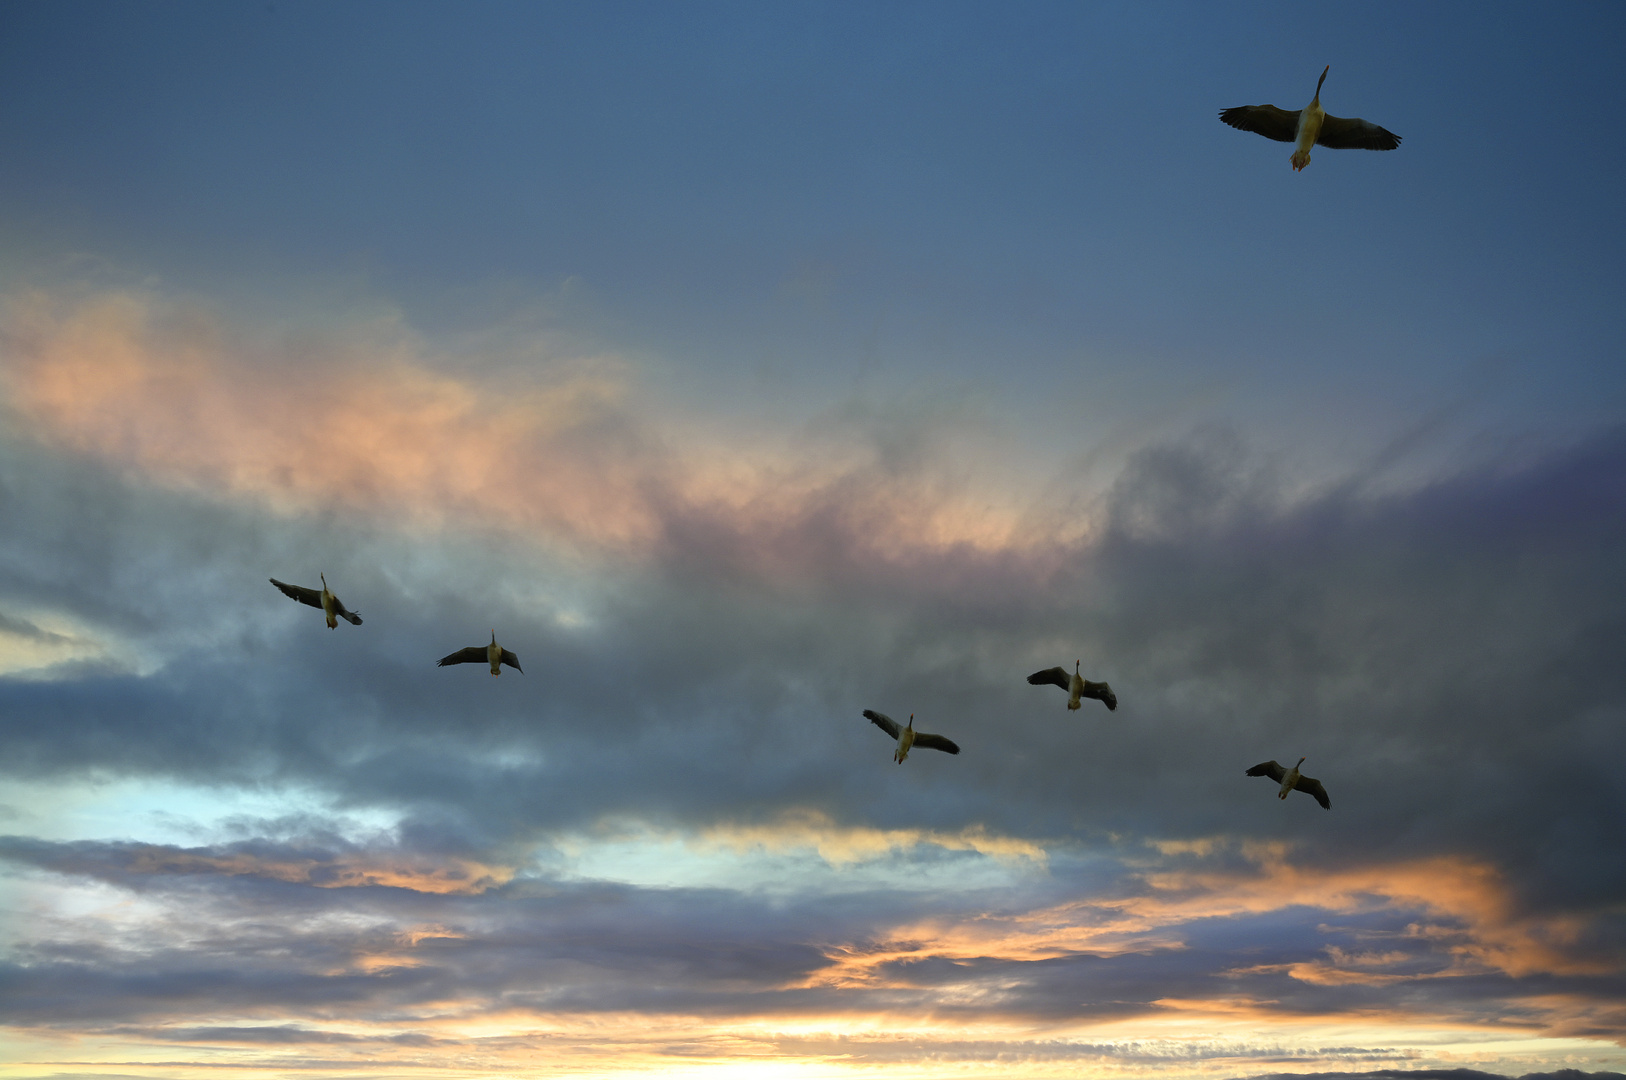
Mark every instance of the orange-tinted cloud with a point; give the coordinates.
(1470, 920)
(372, 421)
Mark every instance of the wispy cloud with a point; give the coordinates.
(571, 449)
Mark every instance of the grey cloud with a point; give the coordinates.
(1447, 657)
(260, 948)
(1216, 607)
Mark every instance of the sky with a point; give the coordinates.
(742, 367)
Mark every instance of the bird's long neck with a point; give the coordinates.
(1317, 99)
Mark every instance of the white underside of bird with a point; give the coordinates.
(1290, 780)
(906, 739)
(1311, 117)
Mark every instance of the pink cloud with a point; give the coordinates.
(570, 452)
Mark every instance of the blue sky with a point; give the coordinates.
(745, 367)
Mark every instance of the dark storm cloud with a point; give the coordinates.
(1443, 656)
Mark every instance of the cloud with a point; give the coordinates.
(702, 620)
(839, 845)
(176, 393)
(566, 449)
(224, 938)
(349, 867)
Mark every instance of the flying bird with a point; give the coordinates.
(1310, 126)
(1292, 778)
(330, 604)
(1076, 685)
(492, 654)
(908, 737)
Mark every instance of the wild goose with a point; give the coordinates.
(330, 604)
(492, 654)
(1310, 126)
(1292, 778)
(1076, 685)
(908, 737)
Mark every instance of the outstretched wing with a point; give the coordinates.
(511, 660)
(1311, 787)
(1053, 677)
(886, 724)
(1270, 769)
(1101, 692)
(1266, 120)
(313, 597)
(1340, 134)
(474, 654)
(342, 612)
(935, 742)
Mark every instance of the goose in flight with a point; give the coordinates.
(1292, 778)
(1310, 126)
(492, 654)
(330, 604)
(1076, 685)
(908, 737)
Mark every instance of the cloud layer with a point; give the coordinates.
(674, 837)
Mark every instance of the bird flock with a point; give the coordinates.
(906, 737)
(1306, 127)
